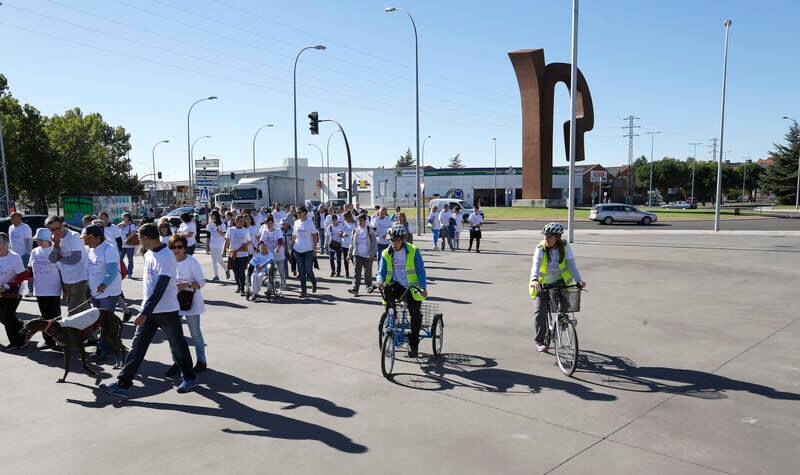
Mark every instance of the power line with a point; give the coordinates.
(630, 136)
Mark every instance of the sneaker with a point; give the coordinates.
(215, 279)
(478, 251)
(412, 353)
(187, 385)
(314, 286)
(303, 295)
(172, 371)
(540, 347)
(29, 294)
(115, 390)
(333, 274)
(55, 348)
(353, 291)
(200, 366)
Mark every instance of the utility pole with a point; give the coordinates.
(694, 164)
(630, 136)
(744, 175)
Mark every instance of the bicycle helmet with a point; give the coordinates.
(553, 229)
(396, 231)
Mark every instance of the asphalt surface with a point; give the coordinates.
(766, 223)
(689, 364)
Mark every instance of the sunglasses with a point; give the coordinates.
(177, 247)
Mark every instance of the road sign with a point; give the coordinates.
(206, 182)
(458, 194)
(213, 173)
(204, 196)
(598, 176)
(207, 163)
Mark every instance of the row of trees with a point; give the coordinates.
(406, 160)
(47, 157)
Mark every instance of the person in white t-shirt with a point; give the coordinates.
(21, 237)
(381, 223)
(127, 231)
(237, 243)
(444, 223)
(347, 227)
(216, 231)
(159, 310)
(188, 229)
(334, 236)
(69, 251)
(304, 247)
(436, 226)
(475, 221)
(276, 243)
(102, 265)
(12, 274)
(47, 281)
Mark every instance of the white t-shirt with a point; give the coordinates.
(362, 241)
(434, 218)
(347, 228)
(271, 238)
(399, 267)
(189, 271)
(382, 227)
(10, 266)
(333, 232)
(189, 227)
(96, 262)
(124, 231)
(253, 231)
(238, 236)
(161, 263)
(258, 220)
(112, 232)
(18, 235)
(475, 219)
(277, 216)
(303, 233)
(71, 242)
(444, 218)
(217, 240)
(46, 280)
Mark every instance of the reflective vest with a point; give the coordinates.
(562, 266)
(411, 270)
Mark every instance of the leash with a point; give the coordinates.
(79, 306)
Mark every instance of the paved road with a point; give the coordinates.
(689, 365)
(744, 224)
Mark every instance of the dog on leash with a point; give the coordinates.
(70, 338)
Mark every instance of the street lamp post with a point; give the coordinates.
(494, 189)
(744, 177)
(328, 158)
(652, 158)
(717, 204)
(797, 190)
(573, 100)
(189, 140)
(321, 165)
(422, 228)
(694, 164)
(254, 145)
(294, 95)
(155, 175)
(416, 67)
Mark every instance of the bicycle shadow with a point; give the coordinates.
(216, 386)
(621, 373)
(453, 370)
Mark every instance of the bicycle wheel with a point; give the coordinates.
(566, 346)
(437, 334)
(387, 355)
(383, 324)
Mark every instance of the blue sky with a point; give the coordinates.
(141, 63)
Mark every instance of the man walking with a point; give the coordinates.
(21, 237)
(159, 310)
(381, 224)
(68, 249)
(363, 247)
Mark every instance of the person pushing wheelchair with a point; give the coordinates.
(400, 272)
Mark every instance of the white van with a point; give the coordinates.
(466, 208)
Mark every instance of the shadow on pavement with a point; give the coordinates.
(618, 372)
(224, 303)
(215, 386)
(452, 370)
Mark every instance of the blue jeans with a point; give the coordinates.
(108, 303)
(435, 237)
(127, 254)
(305, 268)
(193, 322)
(170, 323)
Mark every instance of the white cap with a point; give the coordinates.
(43, 234)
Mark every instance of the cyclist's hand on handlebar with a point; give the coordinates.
(379, 285)
(537, 286)
(424, 292)
(582, 284)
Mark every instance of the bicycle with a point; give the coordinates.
(395, 326)
(561, 323)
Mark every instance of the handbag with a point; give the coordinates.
(12, 293)
(185, 298)
(335, 245)
(132, 240)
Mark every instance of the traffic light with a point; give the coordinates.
(159, 175)
(341, 179)
(313, 123)
(233, 176)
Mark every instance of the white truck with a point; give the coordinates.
(261, 192)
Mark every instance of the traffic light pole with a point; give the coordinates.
(349, 161)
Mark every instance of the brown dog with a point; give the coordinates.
(73, 339)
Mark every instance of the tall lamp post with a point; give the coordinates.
(652, 158)
(797, 190)
(694, 164)
(254, 145)
(328, 158)
(494, 189)
(573, 89)
(717, 204)
(416, 67)
(423, 174)
(155, 175)
(189, 140)
(294, 95)
(321, 164)
(191, 149)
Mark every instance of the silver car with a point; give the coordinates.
(611, 213)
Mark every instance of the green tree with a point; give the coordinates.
(780, 177)
(406, 160)
(455, 161)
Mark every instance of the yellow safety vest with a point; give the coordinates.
(562, 266)
(411, 270)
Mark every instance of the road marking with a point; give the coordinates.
(522, 436)
(749, 420)
(791, 368)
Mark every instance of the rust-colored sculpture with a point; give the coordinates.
(537, 83)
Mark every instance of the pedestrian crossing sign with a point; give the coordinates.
(204, 196)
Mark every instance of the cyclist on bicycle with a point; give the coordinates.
(401, 270)
(553, 265)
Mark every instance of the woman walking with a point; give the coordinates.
(333, 243)
(363, 247)
(216, 230)
(164, 230)
(130, 242)
(304, 248)
(188, 229)
(401, 218)
(237, 241)
(190, 280)
(47, 281)
(433, 220)
(12, 274)
(349, 225)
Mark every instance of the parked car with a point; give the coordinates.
(175, 216)
(611, 213)
(466, 208)
(677, 205)
(336, 203)
(313, 204)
